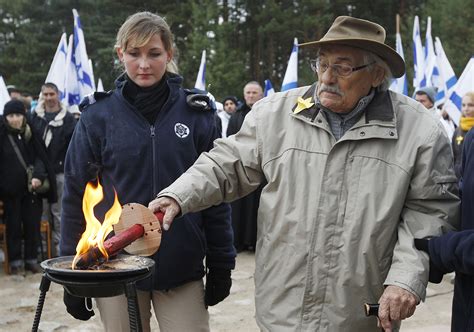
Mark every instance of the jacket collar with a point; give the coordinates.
(174, 82)
(379, 109)
(40, 110)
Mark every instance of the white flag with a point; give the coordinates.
(72, 94)
(290, 80)
(418, 56)
(431, 71)
(57, 71)
(447, 78)
(81, 60)
(268, 88)
(4, 96)
(100, 86)
(201, 76)
(400, 85)
(464, 85)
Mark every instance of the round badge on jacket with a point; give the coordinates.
(181, 130)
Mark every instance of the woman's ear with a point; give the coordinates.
(120, 53)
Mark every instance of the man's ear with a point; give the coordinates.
(378, 75)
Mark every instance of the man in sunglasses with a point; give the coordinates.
(352, 172)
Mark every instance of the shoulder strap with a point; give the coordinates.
(17, 151)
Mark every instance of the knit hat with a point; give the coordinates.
(429, 91)
(14, 106)
(232, 98)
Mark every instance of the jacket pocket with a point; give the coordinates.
(446, 184)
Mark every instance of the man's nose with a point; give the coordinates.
(328, 77)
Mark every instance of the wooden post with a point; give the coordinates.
(398, 22)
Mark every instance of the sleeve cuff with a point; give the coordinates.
(411, 284)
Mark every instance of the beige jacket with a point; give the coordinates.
(337, 219)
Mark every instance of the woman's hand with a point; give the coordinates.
(35, 183)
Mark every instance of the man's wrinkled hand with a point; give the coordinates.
(396, 304)
(168, 206)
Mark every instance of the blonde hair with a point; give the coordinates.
(469, 94)
(139, 28)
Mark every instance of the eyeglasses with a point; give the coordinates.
(341, 70)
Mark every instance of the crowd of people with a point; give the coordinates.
(347, 192)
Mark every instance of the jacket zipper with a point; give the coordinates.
(153, 149)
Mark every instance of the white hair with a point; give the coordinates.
(370, 57)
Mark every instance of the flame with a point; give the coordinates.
(96, 232)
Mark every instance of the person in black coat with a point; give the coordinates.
(136, 140)
(454, 251)
(244, 210)
(55, 123)
(22, 204)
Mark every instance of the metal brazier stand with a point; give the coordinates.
(97, 283)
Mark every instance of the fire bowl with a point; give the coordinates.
(105, 280)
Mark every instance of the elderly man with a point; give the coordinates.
(253, 92)
(353, 174)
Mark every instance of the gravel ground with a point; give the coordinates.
(19, 297)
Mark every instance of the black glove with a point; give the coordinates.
(76, 306)
(436, 275)
(218, 283)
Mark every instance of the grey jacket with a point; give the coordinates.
(337, 219)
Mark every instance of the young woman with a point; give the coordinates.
(138, 139)
(465, 124)
(21, 148)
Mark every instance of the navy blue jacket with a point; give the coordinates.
(115, 142)
(455, 251)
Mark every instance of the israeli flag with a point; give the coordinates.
(57, 71)
(4, 96)
(447, 78)
(268, 91)
(201, 76)
(431, 70)
(290, 80)
(464, 85)
(418, 56)
(400, 85)
(81, 60)
(72, 92)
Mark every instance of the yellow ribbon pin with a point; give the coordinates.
(303, 104)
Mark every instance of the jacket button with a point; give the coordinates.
(392, 133)
(362, 133)
(319, 120)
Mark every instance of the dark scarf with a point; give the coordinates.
(24, 131)
(148, 101)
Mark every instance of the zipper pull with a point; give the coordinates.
(152, 131)
(444, 188)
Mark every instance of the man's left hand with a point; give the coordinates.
(396, 304)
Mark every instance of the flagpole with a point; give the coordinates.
(397, 20)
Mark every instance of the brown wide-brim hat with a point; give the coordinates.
(363, 34)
